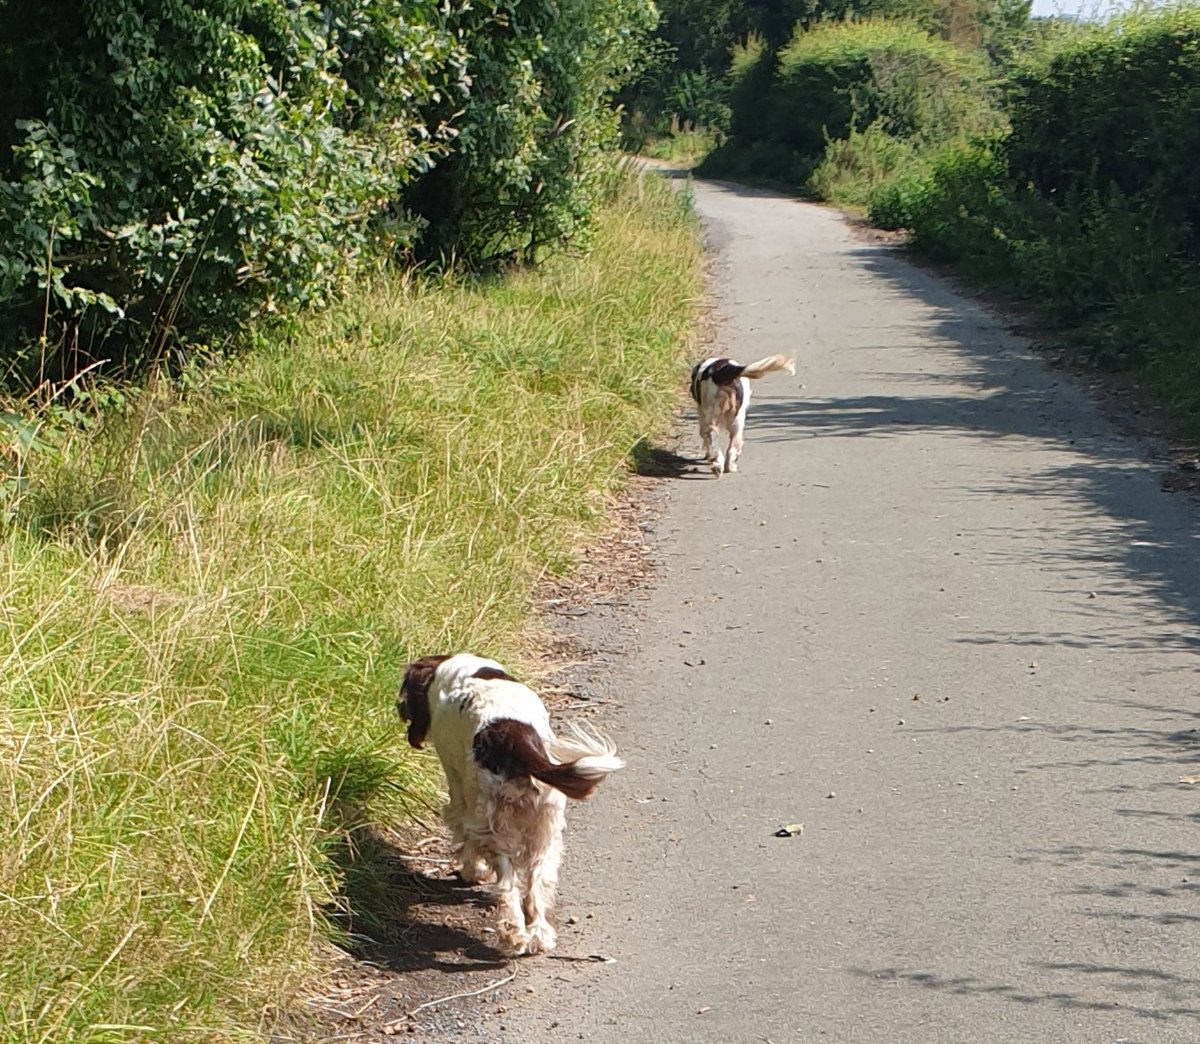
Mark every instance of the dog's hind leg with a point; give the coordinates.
(539, 902)
(712, 449)
(514, 936)
(708, 434)
(453, 814)
(737, 434)
(474, 863)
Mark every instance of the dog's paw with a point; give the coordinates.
(731, 466)
(513, 938)
(716, 468)
(476, 872)
(542, 938)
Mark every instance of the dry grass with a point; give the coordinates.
(209, 596)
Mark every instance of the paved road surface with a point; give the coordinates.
(947, 620)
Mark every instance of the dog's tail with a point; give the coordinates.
(769, 365)
(576, 764)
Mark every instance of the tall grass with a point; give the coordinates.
(208, 597)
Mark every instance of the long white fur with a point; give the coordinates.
(511, 829)
(718, 409)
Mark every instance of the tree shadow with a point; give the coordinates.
(1169, 996)
(1120, 745)
(1119, 555)
(1005, 392)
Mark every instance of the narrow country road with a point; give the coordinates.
(946, 619)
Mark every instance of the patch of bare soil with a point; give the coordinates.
(419, 958)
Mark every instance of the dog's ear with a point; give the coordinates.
(413, 704)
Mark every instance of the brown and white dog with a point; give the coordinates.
(721, 388)
(508, 776)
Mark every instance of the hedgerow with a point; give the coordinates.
(527, 166)
(834, 83)
(170, 171)
(1089, 206)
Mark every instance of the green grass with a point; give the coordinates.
(684, 146)
(208, 599)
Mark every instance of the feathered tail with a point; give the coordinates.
(576, 764)
(769, 365)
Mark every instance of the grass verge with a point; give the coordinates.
(209, 595)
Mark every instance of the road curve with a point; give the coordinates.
(946, 619)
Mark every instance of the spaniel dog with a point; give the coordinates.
(508, 776)
(721, 388)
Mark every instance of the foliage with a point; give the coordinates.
(852, 168)
(177, 170)
(529, 158)
(854, 82)
(1090, 205)
(1115, 112)
(209, 597)
(184, 167)
(953, 206)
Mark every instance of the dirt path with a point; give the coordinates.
(945, 618)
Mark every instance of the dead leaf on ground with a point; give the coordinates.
(791, 830)
(1189, 779)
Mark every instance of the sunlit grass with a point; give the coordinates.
(207, 602)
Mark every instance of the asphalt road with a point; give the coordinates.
(946, 619)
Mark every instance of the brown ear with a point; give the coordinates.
(413, 704)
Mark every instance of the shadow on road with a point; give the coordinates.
(659, 462)
(1173, 996)
(1149, 537)
(1112, 527)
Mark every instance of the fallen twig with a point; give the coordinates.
(595, 958)
(459, 996)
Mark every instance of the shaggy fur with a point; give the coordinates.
(508, 776)
(721, 388)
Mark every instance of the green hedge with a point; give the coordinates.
(527, 167)
(169, 171)
(1117, 111)
(840, 78)
(1090, 205)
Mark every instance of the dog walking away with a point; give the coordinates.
(509, 777)
(721, 388)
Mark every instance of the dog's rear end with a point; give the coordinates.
(509, 776)
(721, 388)
(517, 822)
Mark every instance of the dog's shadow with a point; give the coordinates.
(396, 912)
(660, 462)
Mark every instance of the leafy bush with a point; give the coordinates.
(854, 83)
(751, 75)
(698, 99)
(169, 171)
(1115, 111)
(952, 203)
(184, 168)
(853, 168)
(847, 75)
(528, 165)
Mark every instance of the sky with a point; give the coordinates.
(1086, 8)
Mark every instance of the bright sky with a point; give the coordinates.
(1092, 9)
